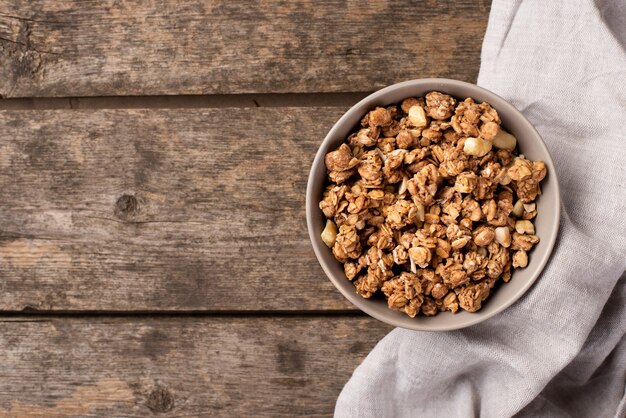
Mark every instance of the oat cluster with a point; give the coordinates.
(432, 203)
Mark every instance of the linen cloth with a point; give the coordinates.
(561, 349)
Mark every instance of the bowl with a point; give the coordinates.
(546, 223)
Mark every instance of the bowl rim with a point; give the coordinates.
(311, 203)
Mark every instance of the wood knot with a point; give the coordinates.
(291, 359)
(126, 206)
(160, 400)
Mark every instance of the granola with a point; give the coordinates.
(429, 204)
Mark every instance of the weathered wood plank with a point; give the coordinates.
(183, 209)
(183, 367)
(90, 48)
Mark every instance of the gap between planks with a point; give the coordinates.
(187, 101)
(29, 314)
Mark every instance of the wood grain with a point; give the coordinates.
(91, 48)
(179, 210)
(179, 367)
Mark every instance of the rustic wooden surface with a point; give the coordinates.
(90, 48)
(182, 209)
(262, 367)
(154, 259)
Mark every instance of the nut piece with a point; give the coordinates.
(329, 234)
(518, 209)
(484, 237)
(476, 147)
(402, 187)
(520, 259)
(419, 211)
(504, 140)
(420, 256)
(459, 243)
(417, 116)
(503, 236)
(530, 211)
(525, 227)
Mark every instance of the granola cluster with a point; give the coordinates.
(430, 204)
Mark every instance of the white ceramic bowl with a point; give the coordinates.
(546, 223)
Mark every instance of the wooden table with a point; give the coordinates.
(154, 257)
